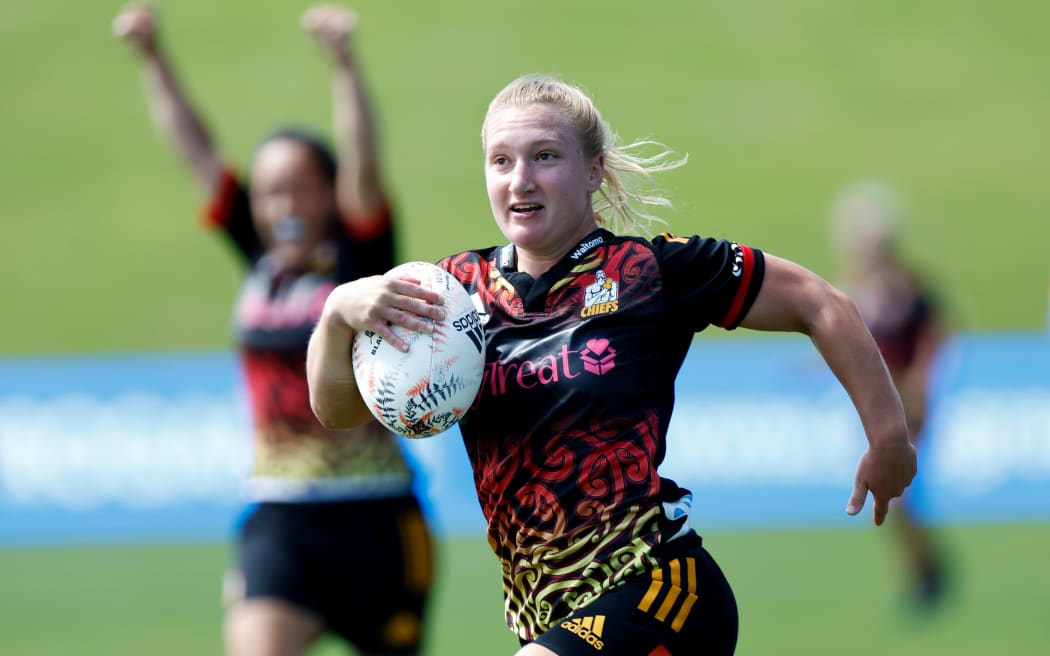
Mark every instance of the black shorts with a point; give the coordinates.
(683, 608)
(364, 567)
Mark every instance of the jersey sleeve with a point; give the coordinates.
(229, 210)
(366, 228)
(370, 251)
(709, 281)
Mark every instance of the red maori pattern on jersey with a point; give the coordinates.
(634, 266)
(277, 381)
(569, 427)
(555, 570)
(598, 465)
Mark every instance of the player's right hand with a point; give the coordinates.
(378, 303)
(137, 26)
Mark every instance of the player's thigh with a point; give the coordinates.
(269, 627)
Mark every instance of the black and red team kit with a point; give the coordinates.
(569, 428)
(314, 493)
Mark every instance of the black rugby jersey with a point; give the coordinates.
(897, 311)
(570, 423)
(294, 457)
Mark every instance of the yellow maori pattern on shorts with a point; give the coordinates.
(563, 573)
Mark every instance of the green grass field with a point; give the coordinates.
(819, 593)
(777, 104)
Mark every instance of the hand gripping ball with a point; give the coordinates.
(428, 389)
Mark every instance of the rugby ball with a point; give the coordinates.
(426, 390)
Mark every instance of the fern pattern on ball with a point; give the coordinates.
(422, 411)
(426, 389)
(385, 399)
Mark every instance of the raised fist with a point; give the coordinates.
(137, 25)
(330, 25)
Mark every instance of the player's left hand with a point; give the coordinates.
(330, 25)
(137, 25)
(885, 469)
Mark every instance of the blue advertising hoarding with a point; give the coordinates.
(156, 446)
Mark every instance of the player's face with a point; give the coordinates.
(292, 200)
(539, 181)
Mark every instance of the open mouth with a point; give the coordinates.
(525, 208)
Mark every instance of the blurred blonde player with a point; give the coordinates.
(333, 540)
(909, 327)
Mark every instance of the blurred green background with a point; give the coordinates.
(778, 104)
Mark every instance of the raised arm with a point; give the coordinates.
(359, 192)
(173, 115)
(795, 299)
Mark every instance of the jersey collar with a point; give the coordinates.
(534, 293)
(507, 256)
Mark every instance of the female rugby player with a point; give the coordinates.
(586, 329)
(333, 540)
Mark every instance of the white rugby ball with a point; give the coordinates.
(426, 390)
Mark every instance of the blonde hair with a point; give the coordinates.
(627, 189)
(866, 219)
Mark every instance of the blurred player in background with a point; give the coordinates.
(334, 540)
(585, 332)
(909, 327)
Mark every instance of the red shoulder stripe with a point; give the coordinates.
(216, 213)
(741, 291)
(367, 228)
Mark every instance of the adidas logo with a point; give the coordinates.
(588, 628)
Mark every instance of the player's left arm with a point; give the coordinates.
(794, 299)
(359, 191)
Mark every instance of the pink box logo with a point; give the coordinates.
(598, 358)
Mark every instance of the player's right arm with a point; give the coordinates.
(376, 303)
(173, 115)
